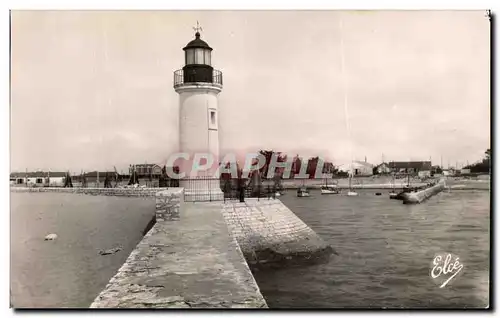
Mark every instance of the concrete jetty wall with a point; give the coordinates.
(269, 232)
(420, 196)
(374, 186)
(127, 192)
(465, 184)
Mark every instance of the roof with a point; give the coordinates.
(197, 43)
(420, 165)
(362, 163)
(38, 174)
(94, 174)
(147, 165)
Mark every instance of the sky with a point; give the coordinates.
(94, 89)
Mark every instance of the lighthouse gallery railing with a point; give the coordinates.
(180, 80)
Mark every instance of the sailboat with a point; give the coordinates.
(302, 192)
(351, 192)
(406, 189)
(393, 193)
(326, 189)
(342, 60)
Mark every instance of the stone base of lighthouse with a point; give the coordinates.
(202, 190)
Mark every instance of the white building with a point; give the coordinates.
(361, 168)
(198, 85)
(38, 179)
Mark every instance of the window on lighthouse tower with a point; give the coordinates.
(199, 56)
(189, 56)
(212, 118)
(207, 57)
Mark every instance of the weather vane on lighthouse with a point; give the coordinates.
(198, 27)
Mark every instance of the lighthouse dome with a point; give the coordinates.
(197, 43)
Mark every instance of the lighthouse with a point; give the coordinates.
(198, 85)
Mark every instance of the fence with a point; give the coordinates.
(208, 75)
(215, 189)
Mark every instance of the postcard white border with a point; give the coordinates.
(185, 4)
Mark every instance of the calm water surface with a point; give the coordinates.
(385, 252)
(69, 272)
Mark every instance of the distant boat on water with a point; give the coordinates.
(393, 194)
(302, 192)
(327, 189)
(400, 195)
(351, 192)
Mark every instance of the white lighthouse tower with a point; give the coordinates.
(198, 85)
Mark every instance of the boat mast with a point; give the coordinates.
(393, 177)
(350, 179)
(346, 88)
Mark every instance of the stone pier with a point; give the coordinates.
(188, 259)
(422, 195)
(270, 234)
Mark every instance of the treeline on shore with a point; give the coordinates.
(483, 166)
(297, 164)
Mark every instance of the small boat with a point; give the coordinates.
(352, 194)
(277, 194)
(302, 192)
(280, 191)
(393, 194)
(51, 237)
(329, 190)
(400, 195)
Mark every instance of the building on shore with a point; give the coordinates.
(456, 172)
(38, 178)
(465, 171)
(383, 168)
(94, 176)
(361, 169)
(147, 170)
(420, 168)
